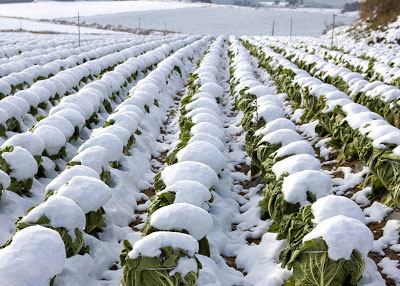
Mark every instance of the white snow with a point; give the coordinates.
(95, 157)
(296, 186)
(37, 26)
(263, 269)
(62, 124)
(268, 112)
(35, 255)
(27, 140)
(62, 212)
(68, 174)
(192, 171)
(213, 89)
(182, 216)
(50, 10)
(204, 102)
(200, 137)
(190, 192)
(149, 246)
(88, 193)
(377, 212)
(184, 266)
(22, 163)
(390, 268)
(333, 205)
(4, 180)
(390, 237)
(203, 152)
(274, 125)
(343, 235)
(296, 163)
(295, 148)
(110, 142)
(53, 138)
(260, 91)
(206, 117)
(282, 136)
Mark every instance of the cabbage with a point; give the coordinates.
(312, 266)
(155, 271)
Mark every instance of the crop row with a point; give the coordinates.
(297, 193)
(21, 111)
(178, 219)
(379, 53)
(353, 127)
(87, 51)
(377, 96)
(369, 69)
(24, 79)
(27, 46)
(75, 199)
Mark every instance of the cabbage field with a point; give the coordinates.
(171, 160)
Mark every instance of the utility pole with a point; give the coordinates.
(291, 28)
(20, 26)
(273, 27)
(333, 29)
(139, 25)
(165, 28)
(79, 31)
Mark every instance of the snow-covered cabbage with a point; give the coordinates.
(21, 167)
(34, 257)
(62, 215)
(159, 258)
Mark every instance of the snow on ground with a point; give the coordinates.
(218, 19)
(56, 9)
(188, 18)
(7, 24)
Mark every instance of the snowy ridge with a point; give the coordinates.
(79, 187)
(370, 92)
(162, 84)
(294, 176)
(18, 46)
(358, 119)
(276, 63)
(190, 215)
(42, 57)
(20, 76)
(44, 94)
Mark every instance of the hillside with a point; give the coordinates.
(379, 23)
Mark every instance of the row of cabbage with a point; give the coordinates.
(32, 153)
(23, 79)
(178, 220)
(357, 131)
(22, 62)
(40, 56)
(297, 193)
(14, 44)
(75, 199)
(369, 69)
(21, 111)
(376, 96)
(387, 54)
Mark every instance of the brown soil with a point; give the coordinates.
(230, 261)
(253, 240)
(150, 192)
(234, 226)
(136, 222)
(377, 258)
